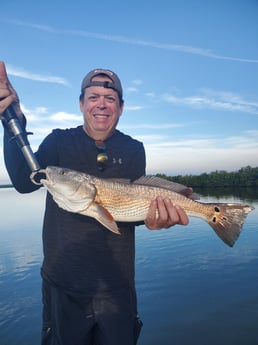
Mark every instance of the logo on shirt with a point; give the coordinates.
(117, 161)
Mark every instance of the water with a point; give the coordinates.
(192, 288)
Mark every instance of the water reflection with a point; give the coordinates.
(244, 194)
(192, 288)
(20, 257)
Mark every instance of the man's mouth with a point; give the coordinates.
(101, 116)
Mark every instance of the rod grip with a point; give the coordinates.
(20, 136)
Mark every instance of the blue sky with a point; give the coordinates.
(189, 71)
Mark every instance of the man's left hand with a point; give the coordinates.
(163, 214)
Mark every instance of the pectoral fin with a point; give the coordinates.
(102, 215)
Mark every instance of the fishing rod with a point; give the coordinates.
(20, 136)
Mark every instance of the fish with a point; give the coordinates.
(120, 200)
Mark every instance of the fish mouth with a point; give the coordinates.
(38, 180)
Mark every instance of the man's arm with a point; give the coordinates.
(15, 162)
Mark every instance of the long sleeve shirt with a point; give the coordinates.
(80, 255)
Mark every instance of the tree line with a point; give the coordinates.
(244, 177)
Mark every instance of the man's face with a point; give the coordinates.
(101, 110)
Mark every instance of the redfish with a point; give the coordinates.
(118, 200)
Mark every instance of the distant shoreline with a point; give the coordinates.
(6, 186)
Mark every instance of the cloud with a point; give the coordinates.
(137, 82)
(133, 107)
(19, 72)
(214, 100)
(247, 139)
(131, 89)
(63, 117)
(134, 41)
(134, 88)
(191, 161)
(155, 126)
(194, 156)
(34, 115)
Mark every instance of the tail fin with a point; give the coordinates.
(227, 221)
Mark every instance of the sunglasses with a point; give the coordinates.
(102, 156)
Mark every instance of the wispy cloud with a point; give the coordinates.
(214, 100)
(22, 73)
(156, 126)
(131, 89)
(41, 121)
(243, 141)
(134, 41)
(137, 82)
(200, 155)
(34, 115)
(64, 117)
(133, 107)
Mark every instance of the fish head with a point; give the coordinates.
(71, 190)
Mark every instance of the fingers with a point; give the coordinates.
(5, 100)
(4, 103)
(183, 218)
(8, 95)
(163, 214)
(3, 74)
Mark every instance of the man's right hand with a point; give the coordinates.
(8, 95)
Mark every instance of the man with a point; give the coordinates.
(88, 272)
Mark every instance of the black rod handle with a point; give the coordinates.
(20, 136)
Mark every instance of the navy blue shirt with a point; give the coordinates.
(80, 255)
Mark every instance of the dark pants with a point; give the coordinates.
(102, 320)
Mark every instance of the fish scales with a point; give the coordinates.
(131, 202)
(134, 200)
(111, 200)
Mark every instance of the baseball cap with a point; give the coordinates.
(115, 84)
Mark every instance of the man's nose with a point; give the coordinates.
(102, 103)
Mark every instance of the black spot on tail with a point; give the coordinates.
(227, 221)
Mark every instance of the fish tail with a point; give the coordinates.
(227, 221)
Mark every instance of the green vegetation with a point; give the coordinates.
(245, 177)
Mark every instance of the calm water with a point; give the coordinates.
(192, 288)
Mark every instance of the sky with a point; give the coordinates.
(189, 71)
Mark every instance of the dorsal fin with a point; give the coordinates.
(155, 181)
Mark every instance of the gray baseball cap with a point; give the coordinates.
(115, 84)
